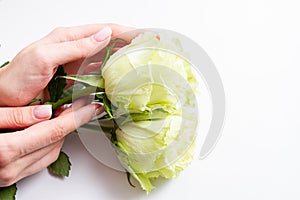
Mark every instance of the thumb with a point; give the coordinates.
(22, 117)
(69, 51)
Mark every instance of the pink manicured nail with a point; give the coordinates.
(103, 34)
(99, 109)
(43, 111)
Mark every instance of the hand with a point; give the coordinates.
(30, 150)
(30, 71)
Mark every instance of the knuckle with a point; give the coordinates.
(8, 150)
(7, 176)
(81, 46)
(111, 24)
(16, 119)
(65, 31)
(42, 60)
(58, 132)
(52, 157)
(55, 154)
(58, 30)
(7, 153)
(43, 163)
(36, 51)
(4, 159)
(38, 54)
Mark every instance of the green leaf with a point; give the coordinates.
(8, 193)
(107, 106)
(114, 139)
(56, 85)
(4, 64)
(101, 97)
(92, 80)
(62, 166)
(70, 90)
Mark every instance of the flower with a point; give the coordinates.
(151, 87)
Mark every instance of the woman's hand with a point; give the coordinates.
(28, 74)
(28, 151)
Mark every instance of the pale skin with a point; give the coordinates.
(37, 141)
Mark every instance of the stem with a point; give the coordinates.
(74, 95)
(106, 130)
(4, 64)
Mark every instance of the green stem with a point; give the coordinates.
(106, 130)
(4, 64)
(75, 95)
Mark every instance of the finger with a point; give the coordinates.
(48, 132)
(42, 163)
(21, 117)
(67, 108)
(14, 170)
(61, 53)
(20, 163)
(127, 36)
(35, 156)
(79, 103)
(61, 109)
(65, 34)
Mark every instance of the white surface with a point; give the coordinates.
(255, 45)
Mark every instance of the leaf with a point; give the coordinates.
(8, 193)
(100, 96)
(4, 64)
(107, 106)
(56, 85)
(113, 138)
(62, 166)
(92, 80)
(70, 90)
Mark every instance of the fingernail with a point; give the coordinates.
(43, 111)
(103, 34)
(98, 109)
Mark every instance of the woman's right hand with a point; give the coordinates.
(26, 77)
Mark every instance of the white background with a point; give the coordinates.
(255, 45)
